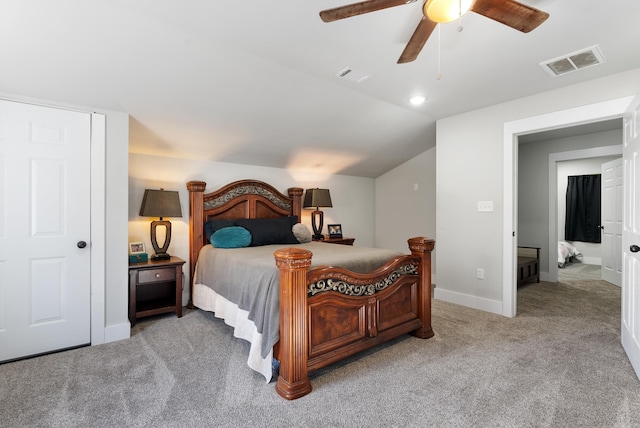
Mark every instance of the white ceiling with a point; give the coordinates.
(252, 82)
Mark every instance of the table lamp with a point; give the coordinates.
(160, 203)
(317, 198)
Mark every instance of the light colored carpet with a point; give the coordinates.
(578, 272)
(559, 363)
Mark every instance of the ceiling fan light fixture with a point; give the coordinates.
(443, 11)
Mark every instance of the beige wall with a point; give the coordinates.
(406, 203)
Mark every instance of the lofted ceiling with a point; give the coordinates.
(253, 82)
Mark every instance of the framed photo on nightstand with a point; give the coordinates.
(137, 253)
(136, 247)
(335, 230)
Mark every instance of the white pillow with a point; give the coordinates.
(301, 232)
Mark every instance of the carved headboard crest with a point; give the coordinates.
(242, 190)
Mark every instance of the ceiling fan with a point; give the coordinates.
(508, 12)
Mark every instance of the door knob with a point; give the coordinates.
(634, 248)
(81, 244)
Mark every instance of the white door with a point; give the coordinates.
(631, 236)
(44, 218)
(611, 218)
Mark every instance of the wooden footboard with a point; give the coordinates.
(327, 314)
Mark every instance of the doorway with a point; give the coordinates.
(540, 155)
(512, 131)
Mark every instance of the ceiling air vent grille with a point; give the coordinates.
(352, 75)
(574, 61)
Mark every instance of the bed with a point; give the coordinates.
(325, 313)
(567, 253)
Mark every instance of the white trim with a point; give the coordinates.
(115, 332)
(488, 305)
(98, 223)
(509, 211)
(595, 261)
(560, 119)
(554, 158)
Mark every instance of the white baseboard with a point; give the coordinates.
(592, 261)
(475, 302)
(117, 332)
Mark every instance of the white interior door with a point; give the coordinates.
(44, 218)
(611, 218)
(631, 236)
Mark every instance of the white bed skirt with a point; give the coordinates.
(208, 300)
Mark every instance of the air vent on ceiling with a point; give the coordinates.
(574, 61)
(352, 75)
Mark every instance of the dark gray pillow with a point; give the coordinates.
(266, 231)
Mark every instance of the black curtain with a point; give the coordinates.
(582, 221)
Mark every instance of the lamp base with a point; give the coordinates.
(317, 218)
(161, 252)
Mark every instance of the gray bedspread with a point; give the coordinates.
(249, 277)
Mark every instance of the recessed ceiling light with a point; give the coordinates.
(417, 100)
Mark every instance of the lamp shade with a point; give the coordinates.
(317, 198)
(160, 203)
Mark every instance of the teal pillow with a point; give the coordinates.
(231, 237)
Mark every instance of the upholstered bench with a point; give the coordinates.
(528, 264)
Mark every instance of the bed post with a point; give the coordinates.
(422, 247)
(295, 193)
(293, 381)
(196, 229)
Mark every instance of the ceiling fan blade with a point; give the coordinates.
(511, 13)
(354, 9)
(417, 40)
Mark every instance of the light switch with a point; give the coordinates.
(485, 206)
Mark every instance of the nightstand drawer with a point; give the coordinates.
(156, 275)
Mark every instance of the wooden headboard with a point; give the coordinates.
(240, 199)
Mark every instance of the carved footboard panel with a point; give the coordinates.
(349, 313)
(327, 314)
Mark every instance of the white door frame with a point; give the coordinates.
(561, 119)
(98, 225)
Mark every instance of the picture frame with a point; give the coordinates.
(335, 230)
(136, 248)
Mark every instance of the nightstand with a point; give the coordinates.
(343, 241)
(155, 287)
